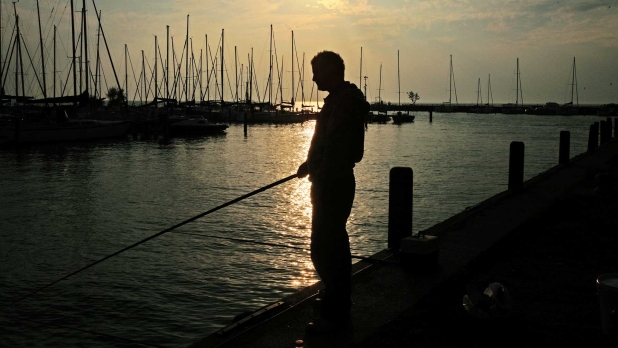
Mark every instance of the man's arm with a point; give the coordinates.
(303, 170)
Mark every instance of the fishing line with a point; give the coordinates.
(242, 240)
(253, 193)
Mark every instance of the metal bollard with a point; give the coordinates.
(399, 206)
(565, 147)
(516, 166)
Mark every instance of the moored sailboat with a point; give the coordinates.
(448, 106)
(400, 117)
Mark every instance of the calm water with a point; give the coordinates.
(64, 206)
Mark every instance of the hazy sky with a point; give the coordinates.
(484, 37)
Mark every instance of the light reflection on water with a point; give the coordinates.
(64, 206)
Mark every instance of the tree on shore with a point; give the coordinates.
(115, 97)
(413, 97)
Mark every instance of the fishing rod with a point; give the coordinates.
(252, 193)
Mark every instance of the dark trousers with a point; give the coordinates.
(330, 245)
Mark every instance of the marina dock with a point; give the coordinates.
(546, 242)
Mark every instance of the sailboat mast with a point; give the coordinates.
(143, 79)
(517, 85)
(292, 99)
(360, 76)
(156, 75)
(42, 49)
(251, 78)
(21, 62)
(222, 42)
(73, 50)
(574, 85)
(450, 79)
(488, 88)
(86, 62)
(167, 62)
(187, 65)
(54, 93)
(270, 71)
(236, 71)
(380, 86)
(207, 71)
(126, 71)
(16, 55)
(1, 66)
(398, 81)
(97, 70)
(478, 91)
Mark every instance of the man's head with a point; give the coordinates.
(328, 70)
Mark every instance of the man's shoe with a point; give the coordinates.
(323, 326)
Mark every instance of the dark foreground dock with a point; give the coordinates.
(547, 243)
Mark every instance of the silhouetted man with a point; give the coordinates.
(337, 144)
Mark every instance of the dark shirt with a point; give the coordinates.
(339, 136)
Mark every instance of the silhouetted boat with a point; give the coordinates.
(194, 126)
(402, 118)
(550, 108)
(23, 132)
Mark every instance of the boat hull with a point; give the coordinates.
(71, 131)
(402, 118)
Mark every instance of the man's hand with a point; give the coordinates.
(303, 170)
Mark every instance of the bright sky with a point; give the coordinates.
(484, 37)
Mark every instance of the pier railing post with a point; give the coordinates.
(399, 206)
(565, 147)
(516, 166)
(604, 139)
(593, 140)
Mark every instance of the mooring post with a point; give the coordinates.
(244, 116)
(17, 129)
(399, 206)
(430, 116)
(565, 147)
(516, 166)
(604, 139)
(593, 138)
(616, 127)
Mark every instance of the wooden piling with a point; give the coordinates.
(604, 133)
(565, 147)
(399, 206)
(593, 137)
(516, 166)
(244, 116)
(616, 128)
(430, 116)
(17, 129)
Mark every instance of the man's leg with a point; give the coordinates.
(330, 246)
